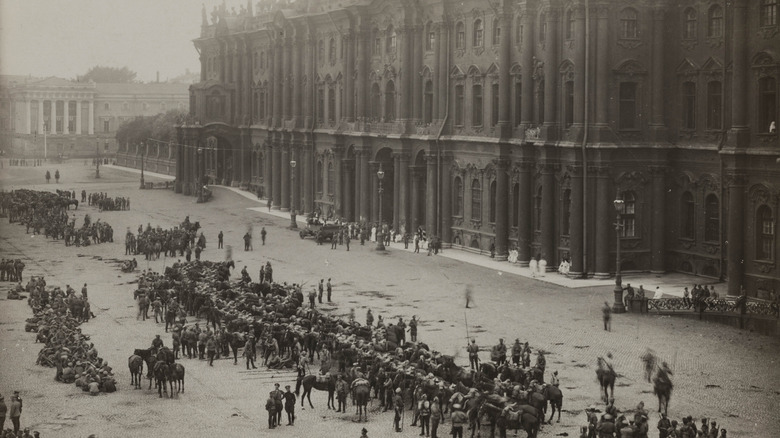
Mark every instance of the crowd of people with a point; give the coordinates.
(11, 270)
(104, 202)
(180, 240)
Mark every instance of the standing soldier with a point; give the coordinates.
(498, 354)
(270, 406)
(320, 290)
(211, 350)
(48, 176)
(401, 327)
(329, 288)
(413, 328)
(278, 397)
(289, 405)
(473, 350)
(220, 239)
(197, 252)
(607, 311)
(262, 231)
(15, 410)
(312, 296)
(247, 241)
(57, 176)
(249, 352)
(346, 240)
(517, 351)
(369, 318)
(157, 306)
(84, 291)
(341, 394)
(398, 405)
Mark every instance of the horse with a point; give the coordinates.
(606, 377)
(177, 377)
(555, 396)
(136, 365)
(236, 341)
(149, 358)
(361, 394)
(489, 370)
(166, 355)
(311, 382)
(662, 387)
(510, 419)
(162, 373)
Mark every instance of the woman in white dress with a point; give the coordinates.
(533, 265)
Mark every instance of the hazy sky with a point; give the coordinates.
(65, 38)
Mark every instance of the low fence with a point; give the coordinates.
(752, 314)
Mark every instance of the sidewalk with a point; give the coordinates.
(138, 171)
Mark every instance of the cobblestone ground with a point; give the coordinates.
(719, 372)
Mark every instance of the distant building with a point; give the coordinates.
(494, 123)
(77, 117)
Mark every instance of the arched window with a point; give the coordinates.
(320, 105)
(518, 100)
(496, 32)
(714, 104)
(516, 205)
(538, 209)
(331, 178)
(566, 209)
(568, 103)
(476, 201)
(376, 102)
(542, 27)
(476, 105)
(711, 218)
(390, 39)
(319, 177)
(768, 12)
(460, 35)
(332, 50)
(629, 29)
(494, 106)
(767, 103)
(689, 105)
(492, 213)
(687, 216)
(428, 102)
(459, 105)
(331, 104)
(377, 42)
(458, 194)
(479, 33)
(518, 31)
(629, 215)
(689, 24)
(569, 24)
(390, 101)
(715, 22)
(765, 233)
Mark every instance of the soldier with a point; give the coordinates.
(398, 405)
(157, 307)
(413, 329)
(312, 297)
(84, 291)
(498, 354)
(263, 232)
(15, 411)
(369, 318)
(289, 405)
(329, 288)
(278, 396)
(198, 250)
(220, 239)
(517, 351)
(458, 419)
(607, 315)
(211, 350)
(270, 406)
(249, 351)
(320, 290)
(341, 394)
(473, 350)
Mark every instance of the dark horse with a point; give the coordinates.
(162, 373)
(136, 365)
(555, 396)
(177, 377)
(513, 420)
(662, 387)
(148, 357)
(310, 382)
(361, 394)
(606, 377)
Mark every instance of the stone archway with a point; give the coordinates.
(384, 161)
(219, 160)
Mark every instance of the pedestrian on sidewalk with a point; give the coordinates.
(269, 204)
(607, 311)
(346, 240)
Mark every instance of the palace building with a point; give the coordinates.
(59, 117)
(508, 123)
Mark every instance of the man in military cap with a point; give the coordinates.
(270, 406)
(398, 405)
(278, 396)
(473, 350)
(289, 405)
(459, 419)
(249, 351)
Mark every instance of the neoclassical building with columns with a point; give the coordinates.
(76, 118)
(508, 123)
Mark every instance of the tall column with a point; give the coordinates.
(415, 199)
(53, 117)
(658, 67)
(605, 217)
(504, 90)
(403, 192)
(736, 233)
(278, 83)
(268, 179)
(297, 86)
(739, 109)
(349, 80)
(375, 214)
(249, 91)
(338, 195)
(308, 186)
(430, 196)
(579, 65)
(177, 185)
(396, 191)
(308, 89)
(524, 222)
(502, 210)
(417, 94)
(277, 173)
(575, 224)
(287, 72)
(551, 71)
(348, 189)
(91, 124)
(548, 221)
(296, 172)
(27, 116)
(602, 66)
(40, 117)
(362, 66)
(443, 69)
(445, 232)
(527, 86)
(286, 181)
(659, 202)
(365, 177)
(407, 73)
(65, 116)
(358, 186)
(78, 117)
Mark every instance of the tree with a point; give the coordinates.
(161, 127)
(114, 75)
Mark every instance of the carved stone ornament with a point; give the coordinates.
(629, 44)
(478, 50)
(764, 268)
(768, 32)
(689, 44)
(632, 180)
(714, 42)
(759, 194)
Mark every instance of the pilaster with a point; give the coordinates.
(78, 116)
(735, 183)
(502, 210)
(430, 197)
(524, 223)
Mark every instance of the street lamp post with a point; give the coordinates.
(293, 222)
(618, 306)
(380, 238)
(143, 157)
(198, 182)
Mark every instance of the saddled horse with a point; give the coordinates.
(147, 355)
(177, 377)
(662, 387)
(361, 394)
(522, 417)
(606, 377)
(166, 355)
(162, 374)
(312, 382)
(236, 341)
(136, 365)
(555, 396)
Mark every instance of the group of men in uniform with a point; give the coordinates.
(11, 270)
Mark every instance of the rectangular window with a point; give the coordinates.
(689, 105)
(569, 103)
(628, 106)
(518, 102)
(106, 126)
(331, 105)
(714, 105)
(494, 98)
(767, 104)
(320, 105)
(476, 105)
(430, 41)
(459, 105)
(106, 106)
(769, 12)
